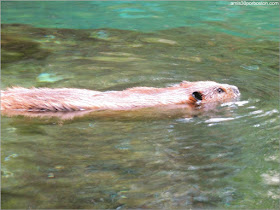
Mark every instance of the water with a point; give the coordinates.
(224, 158)
(147, 16)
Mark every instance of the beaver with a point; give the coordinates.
(71, 99)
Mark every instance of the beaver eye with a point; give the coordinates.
(220, 90)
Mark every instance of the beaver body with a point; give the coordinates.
(70, 99)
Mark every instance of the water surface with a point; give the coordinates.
(225, 158)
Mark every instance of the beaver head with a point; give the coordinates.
(208, 91)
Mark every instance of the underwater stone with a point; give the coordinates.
(10, 156)
(159, 40)
(15, 47)
(51, 175)
(116, 59)
(47, 77)
(251, 68)
(99, 34)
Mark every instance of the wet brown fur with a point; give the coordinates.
(70, 99)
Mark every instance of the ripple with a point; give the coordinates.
(217, 120)
(235, 103)
(271, 179)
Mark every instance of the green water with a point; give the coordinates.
(224, 158)
(244, 21)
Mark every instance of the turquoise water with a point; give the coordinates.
(244, 21)
(226, 158)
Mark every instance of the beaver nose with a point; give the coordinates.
(235, 90)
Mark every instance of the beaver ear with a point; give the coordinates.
(185, 84)
(196, 98)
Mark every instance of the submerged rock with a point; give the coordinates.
(48, 77)
(159, 40)
(102, 34)
(15, 47)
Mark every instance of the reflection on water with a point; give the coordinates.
(226, 158)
